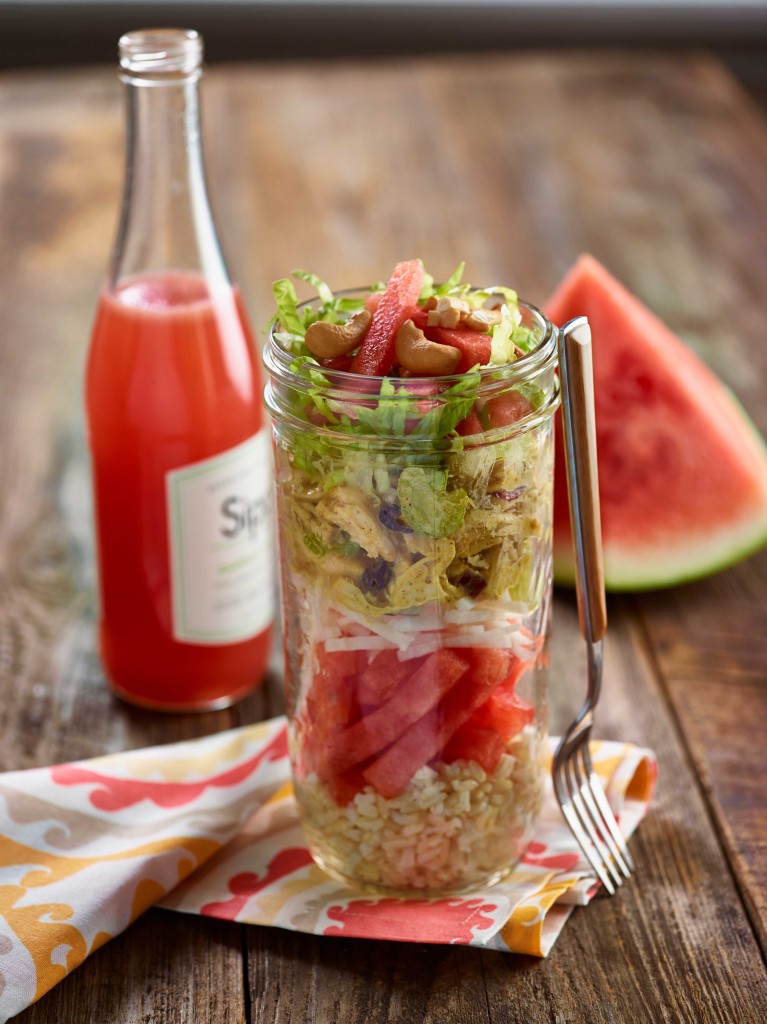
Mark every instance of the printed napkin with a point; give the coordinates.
(209, 827)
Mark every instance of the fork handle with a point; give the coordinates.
(578, 419)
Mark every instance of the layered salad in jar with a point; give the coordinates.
(414, 486)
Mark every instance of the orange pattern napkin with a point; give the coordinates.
(86, 848)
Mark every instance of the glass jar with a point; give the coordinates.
(416, 597)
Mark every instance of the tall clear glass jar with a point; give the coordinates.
(416, 589)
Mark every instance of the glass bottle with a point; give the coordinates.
(180, 453)
(416, 645)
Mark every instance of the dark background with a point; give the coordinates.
(35, 32)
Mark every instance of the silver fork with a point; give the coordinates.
(577, 787)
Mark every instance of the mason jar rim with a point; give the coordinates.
(494, 380)
(278, 361)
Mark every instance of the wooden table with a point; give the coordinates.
(654, 163)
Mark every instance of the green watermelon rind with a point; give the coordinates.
(642, 576)
(648, 568)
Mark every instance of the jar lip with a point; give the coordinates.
(278, 361)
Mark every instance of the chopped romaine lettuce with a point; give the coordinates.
(508, 336)
(326, 296)
(426, 505)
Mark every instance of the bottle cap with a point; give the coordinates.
(159, 53)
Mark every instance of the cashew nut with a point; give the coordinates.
(448, 312)
(328, 341)
(483, 319)
(416, 353)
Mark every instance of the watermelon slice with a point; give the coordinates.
(682, 470)
(382, 677)
(376, 354)
(415, 697)
(428, 736)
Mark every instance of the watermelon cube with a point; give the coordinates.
(331, 705)
(491, 665)
(332, 695)
(475, 743)
(504, 712)
(498, 412)
(344, 787)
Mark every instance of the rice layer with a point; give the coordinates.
(452, 827)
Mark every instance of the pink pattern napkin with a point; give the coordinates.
(85, 848)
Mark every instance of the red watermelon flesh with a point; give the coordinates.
(376, 354)
(682, 470)
(474, 346)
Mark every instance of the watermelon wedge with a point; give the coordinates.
(682, 470)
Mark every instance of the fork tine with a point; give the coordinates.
(621, 852)
(578, 797)
(563, 796)
(591, 790)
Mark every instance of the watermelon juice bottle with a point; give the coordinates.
(180, 454)
(414, 520)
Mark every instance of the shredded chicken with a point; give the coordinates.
(350, 510)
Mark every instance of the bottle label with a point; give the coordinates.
(221, 551)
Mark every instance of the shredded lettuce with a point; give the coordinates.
(388, 418)
(394, 412)
(449, 287)
(455, 404)
(324, 293)
(426, 505)
(294, 321)
(453, 281)
(288, 314)
(508, 336)
(477, 297)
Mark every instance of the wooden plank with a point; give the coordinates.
(710, 647)
(516, 163)
(161, 970)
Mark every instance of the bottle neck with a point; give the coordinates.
(166, 223)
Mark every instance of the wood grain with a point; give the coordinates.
(714, 672)
(161, 970)
(516, 163)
